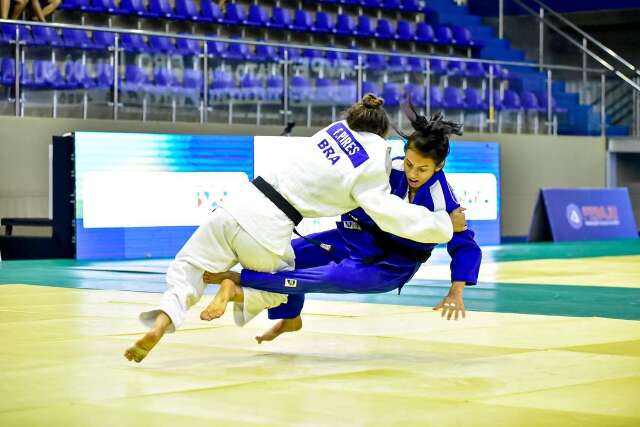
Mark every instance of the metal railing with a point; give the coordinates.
(632, 80)
(360, 68)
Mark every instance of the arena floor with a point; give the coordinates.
(551, 338)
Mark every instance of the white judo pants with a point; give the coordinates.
(216, 246)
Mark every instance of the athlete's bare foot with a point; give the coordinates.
(284, 325)
(219, 277)
(144, 345)
(218, 305)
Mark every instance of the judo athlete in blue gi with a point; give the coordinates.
(363, 258)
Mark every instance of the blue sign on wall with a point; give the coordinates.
(582, 214)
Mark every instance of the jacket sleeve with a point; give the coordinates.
(466, 257)
(372, 192)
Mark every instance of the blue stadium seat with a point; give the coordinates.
(462, 37)
(456, 68)
(135, 79)
(473, 100)
(364, 27)
(103, 6)
(237, 51)
(216, 49)
(397, 63)
(410, 6)
(222, 86)
(45, 36)
(416, 94)
(103, 40)
(234, 14)
(475, 70)
(416, 65)
(299, 89)
(186, 10)
(77, 75)
(322, 23)
(251, 88)
(438, 66)
(159, 9)
(311, 54)
(301, 21)
(210, 12)
(188, 47)
(132, 7)
(383, 30)
(164, 81)
(192, 80)
(80, 5)
(104, 75)
(294, 53)
(453, 98)
(334, 57)
(391, 5)
(264, 53)
(510, 100)
(76, 39)
(373, 4)
(424, 33)
(404, 31)
(347, 92)
(161, 45)
(257, 16)
(7, 71)
(344, 25)
(435, 97)
(280, 18)
(371, 87)
(376, 62)
(391, 94)
(134, 43)
(275, 87)
(444, 35)
(324, 90)
(529, 101)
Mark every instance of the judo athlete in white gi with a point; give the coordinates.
(364, 259)
(341, 167)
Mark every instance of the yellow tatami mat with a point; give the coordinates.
(353, 364)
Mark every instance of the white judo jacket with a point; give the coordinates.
(332, 172)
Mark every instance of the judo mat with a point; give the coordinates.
(552, 338)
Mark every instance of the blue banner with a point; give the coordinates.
(583, 214)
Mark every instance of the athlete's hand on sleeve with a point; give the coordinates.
(453, 304)
(458, 220)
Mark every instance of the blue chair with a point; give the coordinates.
(275, 87)
(186, 10)
(372, 4)
(135, 79)
(7, 71)
(104, 76)
(237, 51)
(159, 9)
(26, 77)
(164, 81)
(444, 35)
(222, 86)
(410, 6)
(234, 14)
(404, 31)
(511, 101)
(363, 27)
(77, 76)
(371, 87)
(334, 57)
(499, 72)
(456, 68)
(159, 44)
(299, 89)
(473, 100)
(529, 101)
(435, 97)
(311, 54)
(376, 62)
(103, 40)
(416, 94)
(391, 5)
(192, 80)
(45, 36)
(344, 25)
(81, 5)
(391, 94)
(133, 43)
(383, 30)
(497, 101)
(76, 39)
(322, 23)
(216, 49)
(324, 90)
(438, 67)
(462, 37)
(397, 63)
(264, 53)
(188, 47)
(103, 6)
(475, 70)
(347, 92)
(210, 12)
(301, 21)
(293, 53)
(132, 7)
(453, 98)
(251, 88)
(416, 65)
(280, 18)
(424, 33)
(257, 16)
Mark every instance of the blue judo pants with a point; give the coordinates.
(321, 271)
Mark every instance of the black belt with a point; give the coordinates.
(277, 199)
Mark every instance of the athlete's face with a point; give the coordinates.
(418, 168)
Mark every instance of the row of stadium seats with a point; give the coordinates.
(46, 75)
(187, 10)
